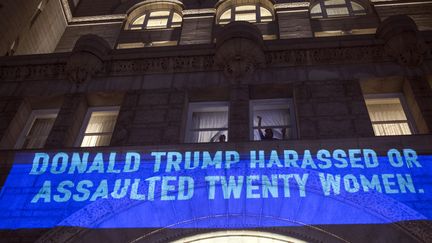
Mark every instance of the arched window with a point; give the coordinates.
(156, 19)
(254, 13)
(336, 8)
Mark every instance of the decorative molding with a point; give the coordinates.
(175, 64)
(291, 5)
(71, 19)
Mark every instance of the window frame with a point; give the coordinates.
(405, 107)
(86, 121)
(270, 102)
(35, 114)
(348, 5)
(234, 12)
(147, 17)
(197, 106)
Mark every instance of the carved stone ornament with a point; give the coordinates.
(87, 59)
(403, 40)
(239, 50)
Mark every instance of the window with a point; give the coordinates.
(336, 8)
(276, 114)
(156, 19)
(251, 13)
(98, 127)
(37, 129)
(388, 115)
(207, 122)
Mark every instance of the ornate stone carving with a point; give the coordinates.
(239, 50)
(402, 39)
(87, 59)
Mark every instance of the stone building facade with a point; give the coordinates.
(75, 56)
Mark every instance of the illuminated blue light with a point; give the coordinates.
(221, 189)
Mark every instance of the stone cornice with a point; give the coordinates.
(114, 66)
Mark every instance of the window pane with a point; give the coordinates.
(386, 110)
(334, 2)
(101, 122)
(206, 120)
(265, 12)
(388, 117)
(96, 140)
(176, 17)
(226, 15)
(157, 23)
(139, 20)
(357, 7)
(160, 14)
(209, 136)
(337, 12)
(316, 9)
(391, 129)
(272, 117)
(245, 8)
(38, 133)
(245, 17)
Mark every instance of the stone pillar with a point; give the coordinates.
(331, 109)
(293, 20)
(239, 52)
(68, 123)
(418, 94)
(14, 113)
(239, 113)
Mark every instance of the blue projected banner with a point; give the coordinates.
(218, 189)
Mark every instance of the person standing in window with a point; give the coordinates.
(268, 132)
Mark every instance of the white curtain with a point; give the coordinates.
(38, 133)
(99, 130)
(388, 113)
(272, 118)
(208, 120)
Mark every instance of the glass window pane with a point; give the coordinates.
(206, 120)
(357, 7)
(96, 140)
(386, 110)
(245, 8)
(226, 15)
(160, 14)
(176, 17)
(38, 133)
(334, 2)
(391, 129)
(157, 23)
(101, 122)
(139, 20)
(265, 12)
(333, 12)
(316, 9)
(245, 17)
(209, 136)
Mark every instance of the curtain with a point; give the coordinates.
(38, 133)
(103, 124)
(272, 118)
(388, 113)
(208, 121)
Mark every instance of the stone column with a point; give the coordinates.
(419, 98)
(68, 123)
(239, 53)
(14, 113)
(239, 113)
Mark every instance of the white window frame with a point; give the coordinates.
(35, 114)
(170, 23)
(86, 120)
(271, 102)
(205, 107)
(257, 11)
(401, 97)
(348, 5)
